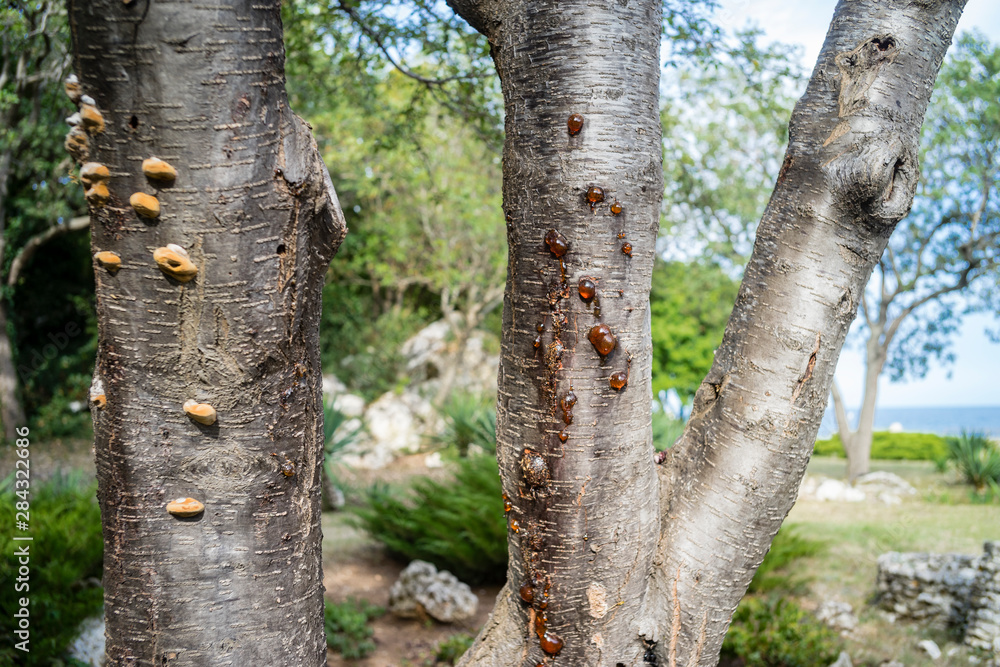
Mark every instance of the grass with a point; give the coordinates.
(857, 533)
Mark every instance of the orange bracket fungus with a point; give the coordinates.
(77, 144)
(145, 205)
(72, 87)
(99, 400)
(185, 507)
(574, 124)
(109, 261)
(557, 243)
(203, 413)
(173, 260)
(156, 169)
(94, 176)
(602, 339)
(91, 118)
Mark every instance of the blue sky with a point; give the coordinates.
(975, 376)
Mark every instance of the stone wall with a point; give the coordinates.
(945, 590)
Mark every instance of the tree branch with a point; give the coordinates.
(29, 249)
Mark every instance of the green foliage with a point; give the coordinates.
(892, 446)
(776, 632)
(66, 562)
(773, 574)
(976, 458)
(468, 420)
(666, 430)
(457, 525)
(689, 306)
(348, 629)
(448, 651)
(335, 438)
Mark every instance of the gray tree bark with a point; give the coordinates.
(201, 86)
(609, 565)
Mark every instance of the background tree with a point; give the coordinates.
(36, 208)
(943, 261)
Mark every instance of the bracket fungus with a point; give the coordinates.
(185, 507)
(156, 169)
(145, 205)
(72, 87)
(77, 144)
(91, 118)
(99, 400)
(94, 177)
(203, 413)
(173, 260)
(109, 261)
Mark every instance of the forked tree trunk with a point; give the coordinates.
(201, 86)
(626, 568)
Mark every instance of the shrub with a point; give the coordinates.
(448, 651)
(976, 458)
(468, 420)
(778, 633)
(457, 525)
(892, 446)
(788, 546)
(66, 561)
(347, 627)
(666, 430)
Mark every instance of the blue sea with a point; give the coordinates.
(943, 421)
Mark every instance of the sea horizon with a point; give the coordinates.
(942, 420)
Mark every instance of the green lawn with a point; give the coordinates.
(857, 533)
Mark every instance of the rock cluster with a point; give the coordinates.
(884, 487)
(956, 591)
(421, 589)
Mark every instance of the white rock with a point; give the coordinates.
(895, 427)
(332, 386)
(440, 594)
(88, 647)
(843, 660)
(349, 404)
(837, 615)
(837, 491)
(396, 425)
(433, 460)
(930, 648)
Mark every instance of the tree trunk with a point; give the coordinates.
(11, 412)
(613, 581)
(202, 87)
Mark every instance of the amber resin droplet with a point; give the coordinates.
(568, 400)
(616, 208)
(551, 643)
(527, 592)
(627, 249)
(563, 436)
(618, 380)
(288, 469)
(588, 288)
(535, 469)
(595, 195)
(515, 526)
(557, 243)
(602, 339)
(507, 506)
(538, 342)
(575, 124)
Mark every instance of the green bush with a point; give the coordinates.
(666, 430)
(778, 633)
(788, 546)
(892, 446)
(457, 525)
(468, 420)
(448, 651)
(347, 627)
(976, 458)
(66, 563)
